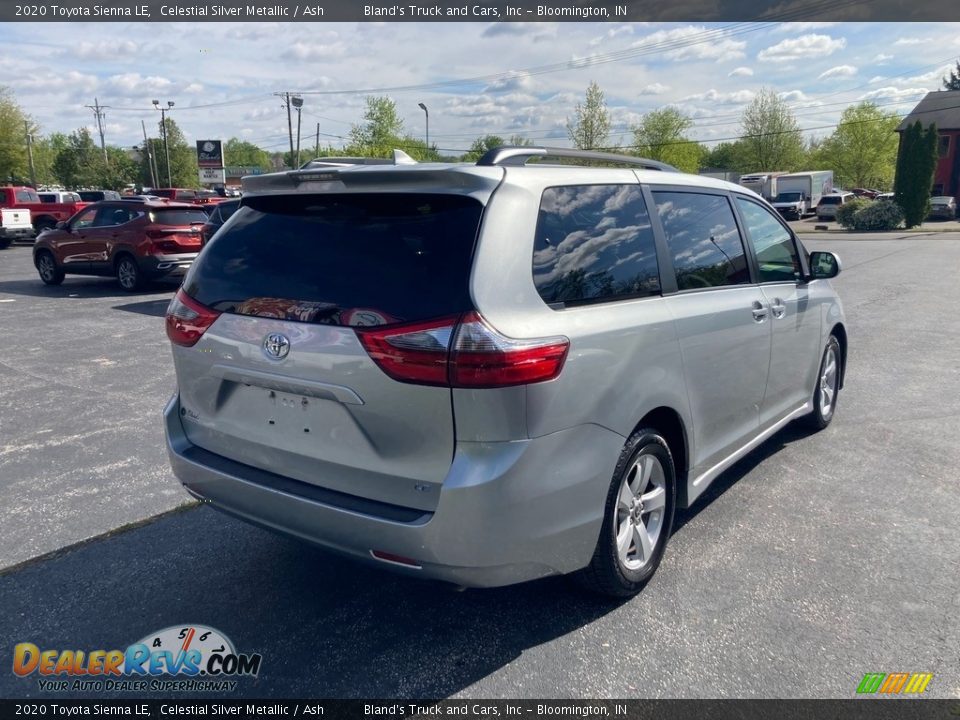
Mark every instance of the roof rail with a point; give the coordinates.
(399, 158)
(513, 155)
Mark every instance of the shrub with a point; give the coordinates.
(846, 211)
(878, 216)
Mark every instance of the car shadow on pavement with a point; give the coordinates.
(729, 477)
(79, 287)
(155, 308)
(325, 626)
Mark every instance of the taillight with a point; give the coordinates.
(187, 320)
(462, 352)
(483, 358)
(415, 353)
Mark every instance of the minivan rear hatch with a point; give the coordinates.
(281, 381)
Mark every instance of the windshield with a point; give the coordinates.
(789, 197)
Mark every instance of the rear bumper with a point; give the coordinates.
(17, 232)
(507, 512)
(158, 266)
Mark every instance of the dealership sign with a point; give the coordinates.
(209, 153)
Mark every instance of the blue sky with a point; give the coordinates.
(519, 78)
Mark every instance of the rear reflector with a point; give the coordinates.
(187, 320)
(395, 559)
(462, 352)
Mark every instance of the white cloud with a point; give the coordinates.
(838, 71)
(911, 41)
(893, 93)
(740, 72)
(803, 47)
(737, 97)
(711, 47)
(793, 96)
(511, 81)
(615, 32)
(59, 81)
(103, 50)
(882, 58)
(130, 84)
(653, 89)
(314, 51)
(800, 27)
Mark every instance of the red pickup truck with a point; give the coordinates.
(44, 215)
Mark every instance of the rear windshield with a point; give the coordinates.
(178, 216)
(788, 197)
(341, 259)
(227, 209)
(830, 200)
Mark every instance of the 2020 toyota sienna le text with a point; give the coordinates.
(491, 373)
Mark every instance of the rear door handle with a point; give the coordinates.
(759, 311)
(778, 308)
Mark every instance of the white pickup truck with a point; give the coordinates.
(14, 224)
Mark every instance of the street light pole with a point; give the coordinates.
(298, 104)
(427, 113)
(163, 128)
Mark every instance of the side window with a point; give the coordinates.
(84, 220)
(109, 216)
(27, 196)
(774, 247)
(594, 243)
(703, 239)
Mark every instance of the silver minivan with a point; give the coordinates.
(488, 373)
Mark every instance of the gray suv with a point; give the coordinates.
(491, 373)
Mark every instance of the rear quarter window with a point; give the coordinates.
(174, 216)
(594, 243)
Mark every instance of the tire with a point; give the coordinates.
(642, 493)
(128, 273)
(44, 224)
(47, 268)
(827, 390)
(4, 243)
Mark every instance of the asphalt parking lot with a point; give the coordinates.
(812, 561)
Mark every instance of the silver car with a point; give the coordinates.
(496, 372)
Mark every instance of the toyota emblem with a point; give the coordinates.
(276, 346)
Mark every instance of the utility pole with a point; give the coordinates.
(285, 96)
(150, 161)
(316, 153)
(163, 128)
(33, 171)
(100, 116)
(298, 104)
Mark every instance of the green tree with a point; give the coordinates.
(76, 164)
(183, 158)
(728, 156)
(916, 163)
(481, 145)
(771, 137)
(246, 154)
(13, 140)
(589, 129)
(380, 132)
(119, 171)
(862, 151)
(660, 136)
(953, 82)
(519, 141)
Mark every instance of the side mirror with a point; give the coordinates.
(824, 265)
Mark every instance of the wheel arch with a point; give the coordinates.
(840, 332)
(670, 424)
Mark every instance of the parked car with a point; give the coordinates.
(131, 241)
(865, 193)
(491, 373)
(14, 224)
(143, 198)
(195, 197)
(98, 195)
(45, 215)
(219, 214)
(59, 196)
(886, 196)
(942, 208)
(829, 204)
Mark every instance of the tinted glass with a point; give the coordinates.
(48, 197)
(594, 243)
(226, 209)
(85, 219)
(27, 196)
(703, 239)
(772, 243)
(108, 216)
(342, 259)
(830, 200)
(178, 216)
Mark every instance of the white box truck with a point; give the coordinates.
(798, 194)
(763, 184)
